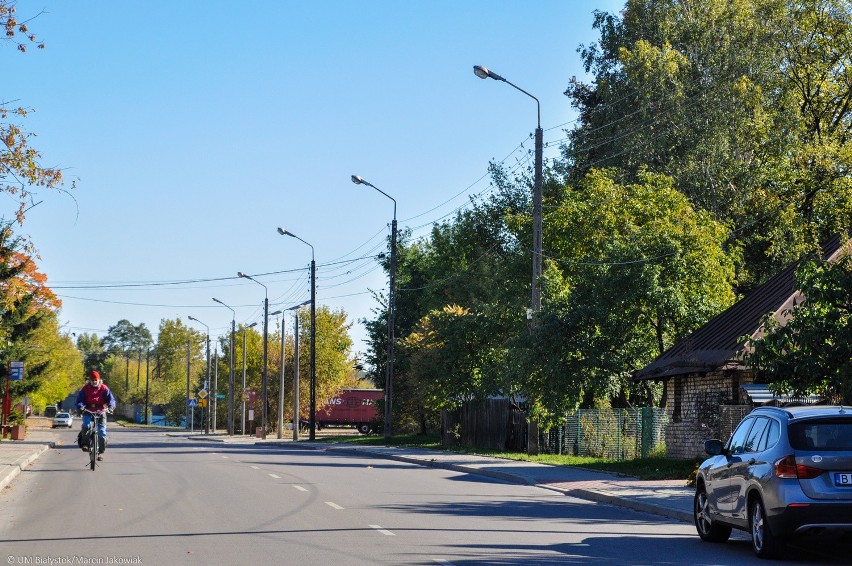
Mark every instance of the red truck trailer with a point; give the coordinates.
(354, 407)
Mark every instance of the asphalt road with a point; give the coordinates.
(162, 500)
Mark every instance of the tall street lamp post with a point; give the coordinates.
(391, 311)
(230, 426)
(484, 73)
(313, 410)
(265, 348)
(243, 394)
(206, 384)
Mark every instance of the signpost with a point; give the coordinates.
(192, 404)
(16, 373)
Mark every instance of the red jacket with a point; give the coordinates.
(95, 398)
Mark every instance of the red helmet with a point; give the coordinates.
(94, 375)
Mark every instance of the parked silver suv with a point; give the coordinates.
(784, 471)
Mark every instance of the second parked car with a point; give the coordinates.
(784, 472)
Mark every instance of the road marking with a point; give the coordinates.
(333, 505)
(226, 457)
(274, 476)
(381, 530)
(442, 561)
(300, 488)
(254, 467)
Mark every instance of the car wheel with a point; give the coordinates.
(364, 428)
(707, 529)
(763, 541)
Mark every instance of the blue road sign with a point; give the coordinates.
(193, 402)
(16, 371)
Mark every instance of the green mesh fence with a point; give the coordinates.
(618, 434)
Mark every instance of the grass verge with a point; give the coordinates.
(654, 468)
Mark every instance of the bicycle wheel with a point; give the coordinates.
(93, 446)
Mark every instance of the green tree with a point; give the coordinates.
(174, 341)
(92, 349)
(743, 102)
(812, 351)
(632, 268)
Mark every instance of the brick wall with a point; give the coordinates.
(695, 404)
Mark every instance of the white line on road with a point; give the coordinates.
(300, 488)
(226, 457)
(274, 476)
(333, 505)
(254, 467)
(381, 530)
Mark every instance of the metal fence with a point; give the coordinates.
(619, 434)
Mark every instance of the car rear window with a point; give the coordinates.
(825, 434)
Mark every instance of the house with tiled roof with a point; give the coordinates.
(708, 385)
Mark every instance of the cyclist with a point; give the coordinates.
(95, 396)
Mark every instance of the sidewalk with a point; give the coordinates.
(15, 455)
(667, 498)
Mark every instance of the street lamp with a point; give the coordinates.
(391, 311)
(265, 347)
(230, 426)
(484, 73)
(243, 396)
(295, 366)
(313, 412)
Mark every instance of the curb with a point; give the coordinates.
(15, 469)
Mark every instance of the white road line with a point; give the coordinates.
(254, 467)
(274, 476)
(226, 457)
(381, 530)
(442, 561)
(333, 505)
(300, 488)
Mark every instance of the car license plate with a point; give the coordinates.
(843, 479)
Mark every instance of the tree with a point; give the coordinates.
(20, 172)
(745, 103)
(92, 349)
(27, 315)
(174, 341)
(631, 269)
(812, 351)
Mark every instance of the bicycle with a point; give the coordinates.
(91, 436)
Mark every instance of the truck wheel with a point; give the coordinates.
(364, 428)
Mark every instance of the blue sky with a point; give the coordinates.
(194, 129)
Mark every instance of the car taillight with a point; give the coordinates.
(786, 467)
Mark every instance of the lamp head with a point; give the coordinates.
(239, 274)
(253, 324)
(284, 232)
(485, 72)
(191, 318)
(274, 313)
(357, 180)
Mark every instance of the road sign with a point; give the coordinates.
(16, 371)
(220, 395)
(202, 403)
(193, 402)
(202, 394)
